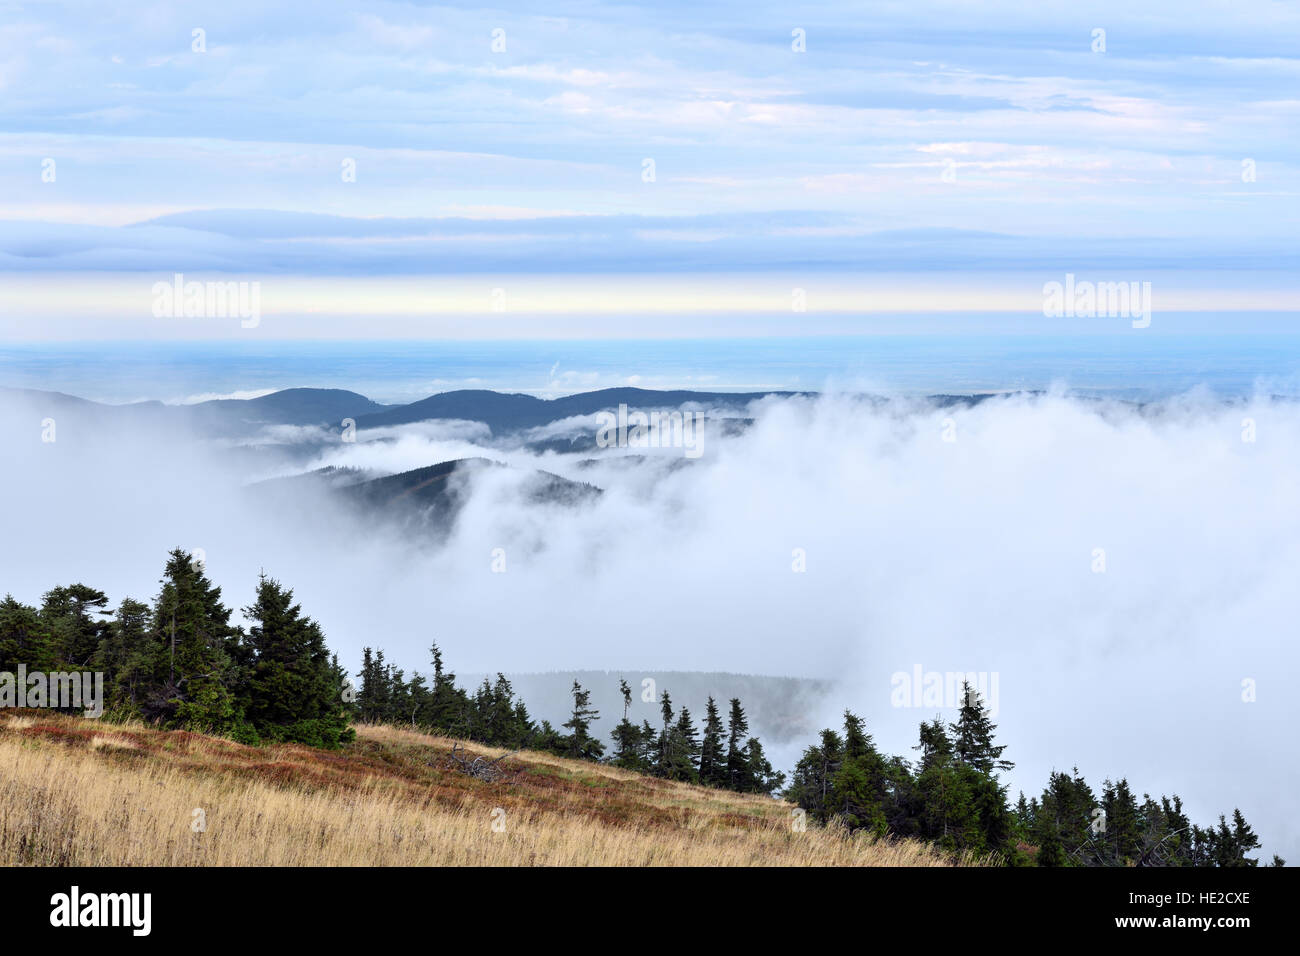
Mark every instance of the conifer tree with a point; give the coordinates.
(663, 755)
(713, 767)
(737, 732)
(417, 698)
(935, 745)
(647, 749)
(759, 775)
(581, 744)
(22, 640)
(127, 654)
(1122, 836)
(858, 785)
(1177, 837)
(366, 695)
(683, 749)
(812, 783)
(194, 628)
(292, 683)
(449, 703)
(628, 745)
(972, 735)
(1242, 842)
(68, 615)
(947, 811)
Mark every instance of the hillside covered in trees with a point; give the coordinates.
(179, 663)
(952, 796)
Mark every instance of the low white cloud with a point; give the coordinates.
(972, 554)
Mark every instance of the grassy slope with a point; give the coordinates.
(76, 792)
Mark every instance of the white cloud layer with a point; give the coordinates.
(975, 554)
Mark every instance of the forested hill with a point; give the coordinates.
(510, 412)
(181, 662)
(778, 707)
(501, 412)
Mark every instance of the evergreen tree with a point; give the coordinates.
(812, 783)
(713, 766)
(648, 749)
(629, 748)
(683, 750)
(1065, 827)
(68, 615)
(972, 735)
(1122, 837)
(581, 744)
(373, 695)
(549, 740)
(737, 763)
(663, 755)
(194, 627)
(759, 775)
(22, 640)
(293, 693)
(449, 703)
(127, 655)
(1177, 837)
(858, 786)
(935, 745)
(902, 804)
(1241, 841)
(417, 698)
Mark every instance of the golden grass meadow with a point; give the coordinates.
(74, 792)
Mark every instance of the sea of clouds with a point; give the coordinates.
(952, 538)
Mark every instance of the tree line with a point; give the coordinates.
(180, 663)
(715, 755)
(951, 795)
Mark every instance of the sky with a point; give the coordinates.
(408, 160)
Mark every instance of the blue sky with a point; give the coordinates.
(989, 141)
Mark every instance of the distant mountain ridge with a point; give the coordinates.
(424, 499)
(500, 411)
(511, 411)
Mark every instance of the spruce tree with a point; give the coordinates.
(683, 749)
(947, 811)
(737, 731)
(1243, 841)
(935, 745)
(713, 767)
(22, 640)
(69, 617)
(127, 654)
(581, 744)
(1122, 838)
(449, 703)
(663, 754)
(293, 693)
(627, 738)
(193, 629)
(812, 783)
(759, 775)
(858, 786)
(972, 735)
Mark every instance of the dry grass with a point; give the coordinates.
(74, 792)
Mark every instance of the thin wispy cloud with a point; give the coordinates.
(563, 112)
